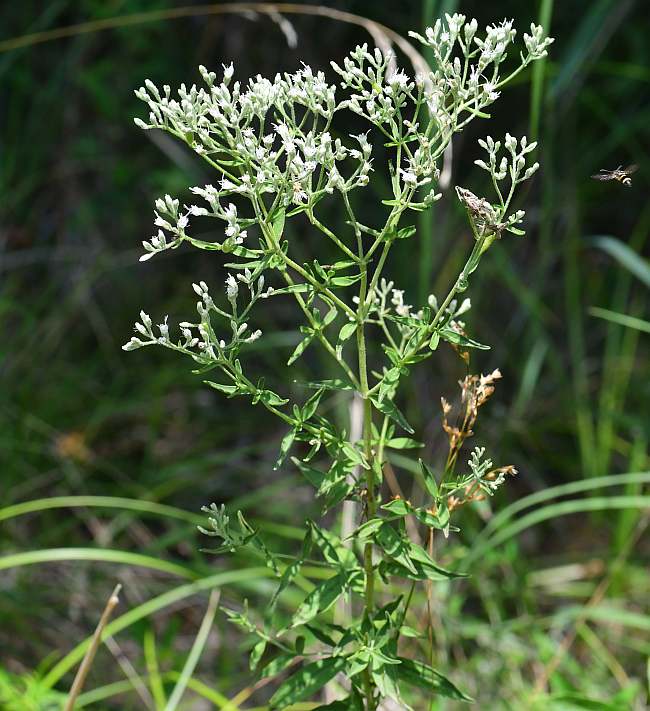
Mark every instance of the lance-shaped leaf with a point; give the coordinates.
(229, 390)
(332, 384)
(351, 703)
(306, 681)
(448, 334)
(322, 597)
(300, 348)
(400, 508)
(403, 443)
(256, 654)
(277, 664)
(388, 407)
(292, 570)
(285, 446)
(423, 676)
(332, 548)
(394, 545)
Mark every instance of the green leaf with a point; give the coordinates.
(285, 446)
(403, 443)
(335, 491)
(435, 340)
(322, 597)
(307, 681)
(429, 480)
(300, 349)
(389, 383)
(418, 674)
(394, 545)
(351, 703)
(332, 547)
(292, 570)
(256, 654)
(271, 398)
(332, 384)
(388, 407)
(422, 572)
(229, 390)
(345, 280)
(293, 289)
(451, 336)
(397, 507)
(310, 407)
(278, 224)
(347, 330)
(638, 324)
(314, 476)
(626, 257)
(405, 232)
(277, 664)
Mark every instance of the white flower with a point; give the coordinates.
(232, 288)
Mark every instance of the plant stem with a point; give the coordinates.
(368, 454)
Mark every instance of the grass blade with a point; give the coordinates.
(195, 653)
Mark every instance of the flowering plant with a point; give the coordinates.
(277, 152)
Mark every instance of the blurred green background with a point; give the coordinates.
(556, 614)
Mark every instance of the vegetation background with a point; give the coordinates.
(556, 614)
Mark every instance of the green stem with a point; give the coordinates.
(370, 474)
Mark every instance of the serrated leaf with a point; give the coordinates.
(307, 681)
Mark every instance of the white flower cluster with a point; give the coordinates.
(378, 95)
(199, 339)
(481, 468)
(258, 139)
(467, 76)
(513, 165)
(489, 219)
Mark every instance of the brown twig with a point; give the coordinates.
(87, 661)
